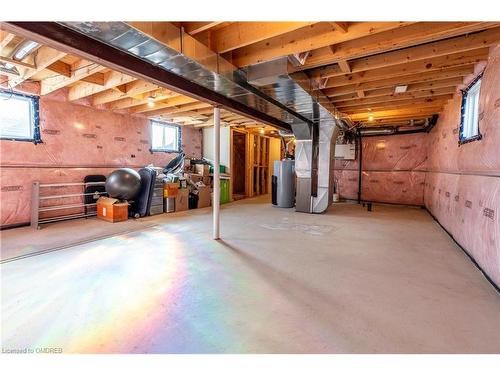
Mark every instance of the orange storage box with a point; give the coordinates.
(112, 210)
(170, 189)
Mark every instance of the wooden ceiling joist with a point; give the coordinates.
(194, 28)
(241, 34)
(172, 102)
(402, 80)
(435, 64)
(314, 36)
(44, 57)
(431, 50)
(180, 109)
(396, 113)
(394, 98)
(404, 103)
(5, 39)
(388, 91)
(82, 70)
(342, 27)
(127, 90)
(395, 39)
(61, 68)
(141, 99)
(111, 79)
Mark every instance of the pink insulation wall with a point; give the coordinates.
(78, 140)
(462, 188)
(393, 170)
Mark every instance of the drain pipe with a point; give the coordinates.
(360, 146)
(216, 196)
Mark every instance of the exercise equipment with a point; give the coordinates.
(123, 183)
(142, 202)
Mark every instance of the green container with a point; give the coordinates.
(222, 169)
(224, 191)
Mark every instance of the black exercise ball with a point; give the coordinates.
(124, 183)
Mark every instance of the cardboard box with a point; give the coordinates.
(203, 169)
(182, 200)
(195, 177)
(204, 194)
(112, 210)
(207, 181)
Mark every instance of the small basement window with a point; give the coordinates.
(165, 137)
(469, 125)
(19, 117)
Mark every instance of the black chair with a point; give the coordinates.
(93, 192)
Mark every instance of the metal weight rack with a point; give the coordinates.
(36, 199)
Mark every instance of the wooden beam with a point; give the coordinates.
(396, 39)
(17, 63)
(166, 111)
(395, 97)
(96, 79)
(403, 103)
(312, 37)
(416, 67)
(342, 27)
(395, 113)
(141, 99)
(44, 57)
(80, 71)
(194, 28)
(415, 87)
(126, 90)
(344, 66)
(8, 37)
(402, 80)
(455, 45)
(360, 93)
(241, 34)
(172, 102)
(84, 89)
(60, 67)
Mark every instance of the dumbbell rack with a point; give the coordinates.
(36, 199)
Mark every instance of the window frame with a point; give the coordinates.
(167, 125)
(465, 92)
(35, 116)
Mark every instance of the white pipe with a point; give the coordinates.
(216, 197)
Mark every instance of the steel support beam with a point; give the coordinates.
(72, 42)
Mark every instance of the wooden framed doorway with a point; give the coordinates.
(239, 160)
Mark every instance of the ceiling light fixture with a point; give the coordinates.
(25, 49)
(370, 118)
(151, 101)
(400, 89)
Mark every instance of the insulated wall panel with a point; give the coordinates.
(463, 181)
(77, 140)
(393, 170)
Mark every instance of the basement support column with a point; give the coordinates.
(216, 196)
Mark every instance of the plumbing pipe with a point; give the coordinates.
(216, 197)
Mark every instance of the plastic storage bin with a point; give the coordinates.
(224, 191)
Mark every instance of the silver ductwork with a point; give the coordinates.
(184, 56)
(266, 87)
(315, 133)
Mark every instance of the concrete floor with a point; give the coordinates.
(348, 281)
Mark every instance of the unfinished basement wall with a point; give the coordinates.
(462, 188)
(78, 140)
(393, 170)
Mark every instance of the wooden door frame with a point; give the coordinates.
(247, 176)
